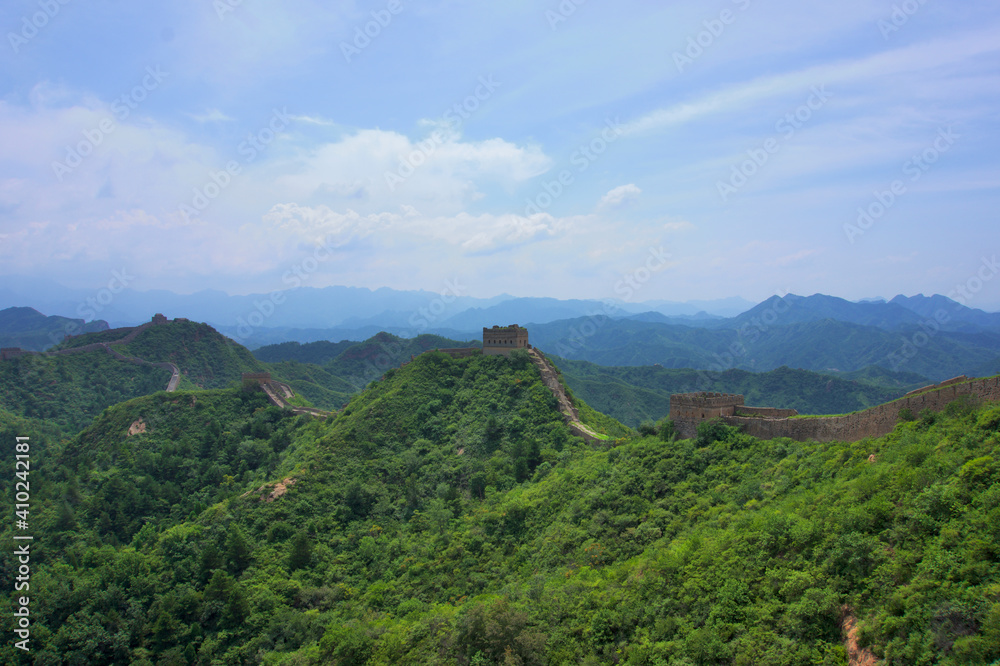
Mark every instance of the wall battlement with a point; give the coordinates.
(771, 423)
(504, 339)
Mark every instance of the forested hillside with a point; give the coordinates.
(69, 391)
(448, 516)
(207, 358)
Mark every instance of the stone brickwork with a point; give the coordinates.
(873, 422)
(504, 339)
(766, 412)
(252, 378)
(687, 410)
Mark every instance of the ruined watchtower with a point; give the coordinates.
(504, 339)
(689, 409)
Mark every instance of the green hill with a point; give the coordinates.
(368, 360)
(319, 353)
(157, 459)
(447, 516)
(70, 390)
(28, 328)
(207, 358)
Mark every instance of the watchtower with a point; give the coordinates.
(504, 339)
(687, 410)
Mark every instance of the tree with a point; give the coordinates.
(238, 555)
(301, 553)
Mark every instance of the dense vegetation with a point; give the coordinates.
(448, 516)
(207, 358)
(68, 391)
(318, 353)
(636, 394)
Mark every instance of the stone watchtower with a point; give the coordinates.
(504, 340)
(689, 409)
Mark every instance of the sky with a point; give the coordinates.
(636, 150)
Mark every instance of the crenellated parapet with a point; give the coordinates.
(504, 339)
(687, 410)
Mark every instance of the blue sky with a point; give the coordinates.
(702, 150)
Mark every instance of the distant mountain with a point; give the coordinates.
(28, 328)
(823, 345)
(699, 319)
(792, 309)
(302, 307)
(951, 313)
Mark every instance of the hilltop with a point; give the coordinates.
(448, 515)
(206, 358)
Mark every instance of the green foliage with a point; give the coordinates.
(448, 516)
(69, 391)
(206, 358)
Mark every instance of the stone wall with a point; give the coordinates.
(687, 410)
(874, 422)
(765, 412)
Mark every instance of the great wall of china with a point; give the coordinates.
(689, 409)
(158, 320)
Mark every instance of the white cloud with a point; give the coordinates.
(923, 58)
(621, 195)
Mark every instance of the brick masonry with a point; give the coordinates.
(874, 422)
